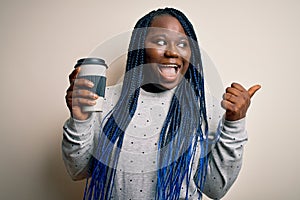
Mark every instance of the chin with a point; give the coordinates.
(168, 86)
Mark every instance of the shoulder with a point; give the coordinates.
(113, 90)
(111, 97)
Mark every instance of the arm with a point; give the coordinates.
(78, 145)
(226, 155)
(79, 129)
(225, 159)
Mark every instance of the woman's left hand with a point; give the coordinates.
(236, 101)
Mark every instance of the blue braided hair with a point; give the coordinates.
(185, 125)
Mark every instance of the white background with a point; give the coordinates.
(249, 41)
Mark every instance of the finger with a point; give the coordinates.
(83, 94)
(80, 97)
(81, 82)
(71, 87)
(76, 98)
(233, 91)
(68, 100)
(253, 90)
(82, 102)
(238, 87)
(230, 97)
(74, 74)
(227, 105)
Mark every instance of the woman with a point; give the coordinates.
(157, 137)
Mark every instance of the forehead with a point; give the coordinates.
(167, 23)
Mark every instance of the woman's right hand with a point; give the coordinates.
(78, 95)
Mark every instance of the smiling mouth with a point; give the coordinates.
(169, 70)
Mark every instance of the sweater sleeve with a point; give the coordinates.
(225, 158)
(80, 138)
(77, 146)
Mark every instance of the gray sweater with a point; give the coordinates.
(136, 170)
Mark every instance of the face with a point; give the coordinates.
(167, 52)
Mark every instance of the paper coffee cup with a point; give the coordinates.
(94, 69)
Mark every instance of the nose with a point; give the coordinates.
(171, 51)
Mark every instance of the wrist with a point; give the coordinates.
(81, 117)
(234, 117)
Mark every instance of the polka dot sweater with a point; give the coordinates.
(136, 170)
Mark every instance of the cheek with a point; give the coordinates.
(185, 68)
(153, 55)
(186, 55)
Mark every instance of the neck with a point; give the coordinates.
(154, 88)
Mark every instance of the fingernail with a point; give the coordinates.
(90, 84)
(93, 102)
(93, 95)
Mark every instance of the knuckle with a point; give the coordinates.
(229, 96)
(235, 109)
(224, 96)
(75, 101)
(70, 88)
(68, 95)
(76, 82)
(224, 104)
(71, 79)
(77, 92)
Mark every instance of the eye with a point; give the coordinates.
(161, 42)
(183, 44)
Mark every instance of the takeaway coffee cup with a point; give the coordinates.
(94, 69)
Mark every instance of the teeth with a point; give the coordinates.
(169, 69)
(170, 66)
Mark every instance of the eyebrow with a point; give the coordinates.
(181, 36)
(157, 35)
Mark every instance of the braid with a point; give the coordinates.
(182, 129)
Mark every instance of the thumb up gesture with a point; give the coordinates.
(236, 101)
